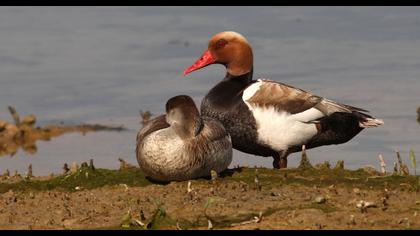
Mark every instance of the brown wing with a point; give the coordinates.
(294, 100)
(283, 97)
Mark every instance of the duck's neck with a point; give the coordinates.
(229, 91)
(244, 78)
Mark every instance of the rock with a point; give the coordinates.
(28, 120)
(320, 199)
(29, 148)
(2, 125)
(11, 148)
(363, 205)
(68, 223)
(11, 130)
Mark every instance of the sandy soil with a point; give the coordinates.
(286, 199)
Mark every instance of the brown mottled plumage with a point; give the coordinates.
(181, 145)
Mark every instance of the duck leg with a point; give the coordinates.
(280, 160)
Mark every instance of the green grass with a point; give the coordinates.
(85, 178)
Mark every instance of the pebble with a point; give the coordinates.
(320, 199)
(352, 220)
(403, 220)
(28, 120)
(2, 125)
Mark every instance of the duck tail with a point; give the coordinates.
(367, 121)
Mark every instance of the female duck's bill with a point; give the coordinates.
(270, 118)
(182, 145)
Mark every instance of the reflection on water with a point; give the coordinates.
(104, 64)
(23, 133)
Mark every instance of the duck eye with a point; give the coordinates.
(221, 43)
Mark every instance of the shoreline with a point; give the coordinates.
(240, 198)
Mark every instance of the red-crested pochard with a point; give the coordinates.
(269, 118)
(182, 145)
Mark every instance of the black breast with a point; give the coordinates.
(224, 103)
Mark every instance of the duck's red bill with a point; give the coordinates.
(205, 60)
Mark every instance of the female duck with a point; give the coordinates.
(269, 118)
(181, 145)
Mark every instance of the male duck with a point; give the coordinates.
(182, 145)
(270, 118)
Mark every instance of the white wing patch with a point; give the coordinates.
(280, 129)
(251, 90)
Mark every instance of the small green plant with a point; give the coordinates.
(126, 220)
(209, 201)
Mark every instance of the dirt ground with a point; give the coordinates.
(241, 198)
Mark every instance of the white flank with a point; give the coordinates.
(279, 129)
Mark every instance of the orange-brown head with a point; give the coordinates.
(229, 49)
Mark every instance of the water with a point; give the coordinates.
(104, 64)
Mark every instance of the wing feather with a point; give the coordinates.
(293, 100)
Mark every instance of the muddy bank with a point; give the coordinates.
(241, 198)
(24, 133)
